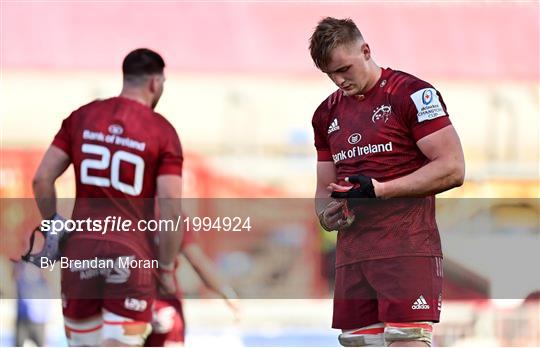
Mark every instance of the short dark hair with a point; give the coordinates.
(330, 33)
(142, 62)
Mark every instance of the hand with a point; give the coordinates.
(50, 239)
(167, 284)
(336, 216)
(167, 280)
(363, 187)
(234, 306)
(231, 299)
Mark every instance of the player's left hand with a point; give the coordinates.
(363, 187)
(167, 281)
(336, 216)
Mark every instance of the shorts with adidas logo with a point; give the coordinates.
(399, 289)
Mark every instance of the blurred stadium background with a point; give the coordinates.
(241, 90)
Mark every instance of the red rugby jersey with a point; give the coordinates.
(376, 136)
(118, 147)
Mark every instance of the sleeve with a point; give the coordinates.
(62, 139)
(171, 158)
(424, 109)
(321, 138)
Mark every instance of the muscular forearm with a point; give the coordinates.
(54, 163)
(321, 199)
(45, 196)
(437, 176)
(169, 240)
(169, 193)
(326, 174)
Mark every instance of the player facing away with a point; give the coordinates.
(124, 155)
(168, 324)
(382, 138)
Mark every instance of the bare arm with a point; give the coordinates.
(53, 164)
(326, 174)
(210, 277)
(445, 170)
(169, 192)
(206, 270)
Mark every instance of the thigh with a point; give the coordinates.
(129, 291)
(78, 309)
(78, 280)
(355, 301)
(408, 288)
(120, 297)
(106, 283)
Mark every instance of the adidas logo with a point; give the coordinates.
(334, 126)
(420, 303)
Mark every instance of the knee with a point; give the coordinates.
(83, 333)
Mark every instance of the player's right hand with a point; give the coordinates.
(336, 216)
(49, 239)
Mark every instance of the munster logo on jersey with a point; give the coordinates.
(381, 113)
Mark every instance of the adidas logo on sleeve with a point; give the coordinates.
(420, 303)
(334, 126)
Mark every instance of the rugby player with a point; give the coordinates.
(124, 154)
(382, 138)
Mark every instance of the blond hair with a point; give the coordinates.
(330, 33)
